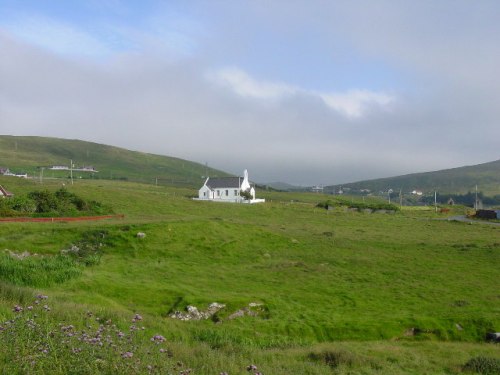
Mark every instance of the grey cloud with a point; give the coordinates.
(155, 104)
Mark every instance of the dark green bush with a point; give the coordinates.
(47, 203)
(483, 365)
(373, 205)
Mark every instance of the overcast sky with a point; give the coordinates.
(306, 92)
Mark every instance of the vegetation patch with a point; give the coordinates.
(335, 358)
(36, 341)
(358, 204)
(44, 203)
(36, 270)
(483, 365)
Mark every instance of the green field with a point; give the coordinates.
(338, 292)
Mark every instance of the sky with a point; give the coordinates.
(306, 92)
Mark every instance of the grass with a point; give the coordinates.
(342, 292)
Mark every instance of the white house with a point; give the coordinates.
(228, 189)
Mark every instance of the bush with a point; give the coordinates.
(46, 203)
(374, 205)
(483, 365)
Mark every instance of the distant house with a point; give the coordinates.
(4, 170)
(59, 168)
(417, 192)
(450, 202)
(317, 189)
(4, 193)
(228, 189)
(88, 168)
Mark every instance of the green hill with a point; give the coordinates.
(456, 180)
(30, 154)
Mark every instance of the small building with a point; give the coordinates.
(229, 189)
(4, 170)
(4, 193)
(450, 202)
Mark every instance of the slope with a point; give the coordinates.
(456, 180)
(29, 154)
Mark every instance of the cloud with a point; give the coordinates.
(229, 85)
(352, 103)
(244, 85)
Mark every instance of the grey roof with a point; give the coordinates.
(224, 182)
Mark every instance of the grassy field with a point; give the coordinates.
(337, 291)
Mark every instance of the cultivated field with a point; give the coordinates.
(314, 291)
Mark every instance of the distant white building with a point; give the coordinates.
(228, 189)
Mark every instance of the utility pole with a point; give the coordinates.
(435, 201)
(71, 171)
(400, 198)
(41, 175)
(475, 201)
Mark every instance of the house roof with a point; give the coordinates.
(223, 182)
(5, 192)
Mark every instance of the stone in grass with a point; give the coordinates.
(493, 336)
(141, 235)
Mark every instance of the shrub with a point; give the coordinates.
(46, 203)
(373, 205)
(483, 365)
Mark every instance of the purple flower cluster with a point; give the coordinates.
(158, 339)
(127, 355)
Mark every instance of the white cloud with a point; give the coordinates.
(352, 103)
(244, 85)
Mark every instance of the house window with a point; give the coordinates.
(235, 192)
(204, 193)
(227, 193)
(218, 193)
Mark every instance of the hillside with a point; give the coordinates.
(456, 180)
(28, 154)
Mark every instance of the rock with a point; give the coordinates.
(192, 312)
(493, 336)
(459, 327)
(141, 235)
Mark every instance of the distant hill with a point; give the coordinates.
(30, 154)
(456, 180)
(283, 186)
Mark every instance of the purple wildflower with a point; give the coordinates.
(17, 308)
(251, 368)
(158, 339)
(136, 318)
(127, 355)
